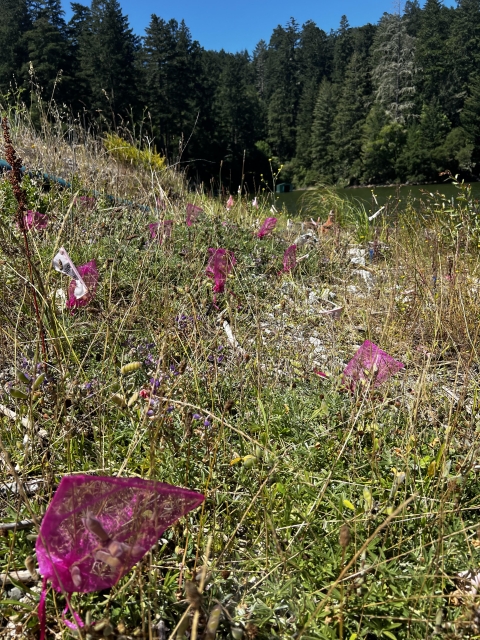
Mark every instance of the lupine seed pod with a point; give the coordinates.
(182, 629)
(38, 382)
(105, 557)
(30, 565)
(249, 461)
(194, 597)
(117, 549)
(23, 377)
(130, 368)
(95, 526)
(119, 400)
(133, 399)
(19, 394)
(103, 627)
(76, 576)
(213, 622)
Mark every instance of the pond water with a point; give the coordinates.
(294, 201)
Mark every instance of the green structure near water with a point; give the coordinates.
(284, 187)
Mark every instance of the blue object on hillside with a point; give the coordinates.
(46, 177)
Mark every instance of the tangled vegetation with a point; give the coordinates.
(328, 514)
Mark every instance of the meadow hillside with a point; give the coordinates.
(331, 510)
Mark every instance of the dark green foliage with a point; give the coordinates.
(382, 146)
(283, 89)
(14, 23)
(380, 103)
(107, 49)
(432, 54)
(49, 55)
(321, 140)
(349, 119)
(423, 155)
(470, 116)
(170, 61)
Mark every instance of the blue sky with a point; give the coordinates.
(235, 26)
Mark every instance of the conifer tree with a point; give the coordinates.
(342, 49)
(314, 62)
(260, 55)
(432, 55)
(383, 143)
(423, 154)
(412, 16)
(107, 49)
(464, 46)
(283, 90)
(49, 53)
(14, 22)
(158, 54)
(470, 118)
(393, 71)
(322, 149)
(349, 119)
(236, 108)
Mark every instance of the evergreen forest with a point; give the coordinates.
(397, 101)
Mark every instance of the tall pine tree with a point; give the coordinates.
(14, 23)
(107, 49)
(283, 88)
(351, 112)
(394, 67)
(322, 147)
(314, 63)
(49, 53)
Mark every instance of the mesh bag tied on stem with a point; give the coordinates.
(89, 275)
(97, 528)
(35, 220)
(267, 227)
(371, 364)
(219, 265)
(290, 258)
(161, 230)
(192, 214)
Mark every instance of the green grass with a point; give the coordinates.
(318, 457)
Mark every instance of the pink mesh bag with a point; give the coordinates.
(89, 275)
(97, 528)
(371, 364)
(192, 214)
(161, 230)
(219, 266)
(290, 258)
(35, 220)
(267, 227)
(87, 202)
(230, 202)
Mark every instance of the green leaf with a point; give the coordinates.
(17, 603)
(389, 635)
(262, 411)
(348, 504)
(320, 412)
